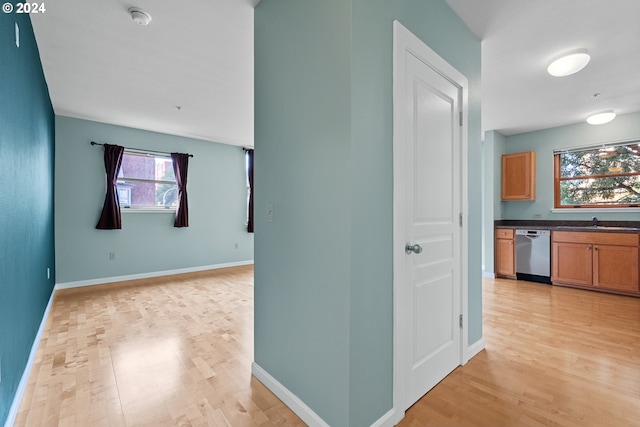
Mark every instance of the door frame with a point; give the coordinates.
(406, 42)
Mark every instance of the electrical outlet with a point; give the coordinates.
(537, 215)
(112, 256)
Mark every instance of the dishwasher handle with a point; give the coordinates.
(533, 234)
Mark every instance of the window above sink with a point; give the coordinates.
(605, 176)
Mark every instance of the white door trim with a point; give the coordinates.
(407, 42)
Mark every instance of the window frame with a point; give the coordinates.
(557, 179)
(121, 178)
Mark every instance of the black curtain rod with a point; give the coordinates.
(139, 149)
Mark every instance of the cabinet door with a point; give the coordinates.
(616, 267)
(505, 257)
(571, 263)
(519, 176)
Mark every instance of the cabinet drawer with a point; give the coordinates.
(596, 238)
(504, 233)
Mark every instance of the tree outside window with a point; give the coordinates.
(608, 176)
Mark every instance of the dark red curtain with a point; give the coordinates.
(110, 218)
(180, 166)
(250, 175)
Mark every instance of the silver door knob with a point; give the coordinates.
(416, 249)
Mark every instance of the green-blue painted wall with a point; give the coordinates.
(147, 242)
(302, 158)
(493, 147)
(26, 200)
(324, 134)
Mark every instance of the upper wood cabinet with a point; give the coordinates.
(519, 176)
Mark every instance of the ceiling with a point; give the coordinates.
(190, 71)
(520, 37)
(194, 54)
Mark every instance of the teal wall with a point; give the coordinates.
(324, 141)
(26, 201)
(147, 242)
(543, 142)
(302, 166)
(493, 147)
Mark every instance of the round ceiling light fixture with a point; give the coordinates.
(601, 118)
(568, 63)
(139, 16)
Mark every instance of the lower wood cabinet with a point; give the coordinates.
(598, 260)
(505, 253)
(615, 267)
(572, 263)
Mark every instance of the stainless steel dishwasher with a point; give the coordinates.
(533, 255)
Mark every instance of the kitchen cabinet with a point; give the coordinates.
(616, 267)
(519, 176)
(572, 263)
(505, 253)
(596, 260)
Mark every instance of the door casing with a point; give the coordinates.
(404, 43)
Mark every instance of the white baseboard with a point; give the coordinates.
(475, 348)
(288, 398)
(22, 385)
(387, 420)
(488, 275)
(102, 281)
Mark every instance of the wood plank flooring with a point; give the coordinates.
(554, 357)
(177, 351)
(171, 351)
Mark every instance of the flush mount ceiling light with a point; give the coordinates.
(601, 118)
(569, 63)
(139, 16)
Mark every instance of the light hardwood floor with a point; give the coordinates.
(177, 351)
(159, 352)
(554, 357)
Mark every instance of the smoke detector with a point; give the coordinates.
(139, 16)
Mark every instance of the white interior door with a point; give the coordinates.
(428, 208)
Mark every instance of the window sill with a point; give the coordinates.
(147, 210)
(593, 210)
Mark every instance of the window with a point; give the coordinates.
(602, 177)
(147, 181)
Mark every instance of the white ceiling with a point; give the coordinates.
(194, 54)
(519, 38)
(198, 55)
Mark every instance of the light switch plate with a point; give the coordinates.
(269, 212)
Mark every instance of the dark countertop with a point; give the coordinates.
(603, 226)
